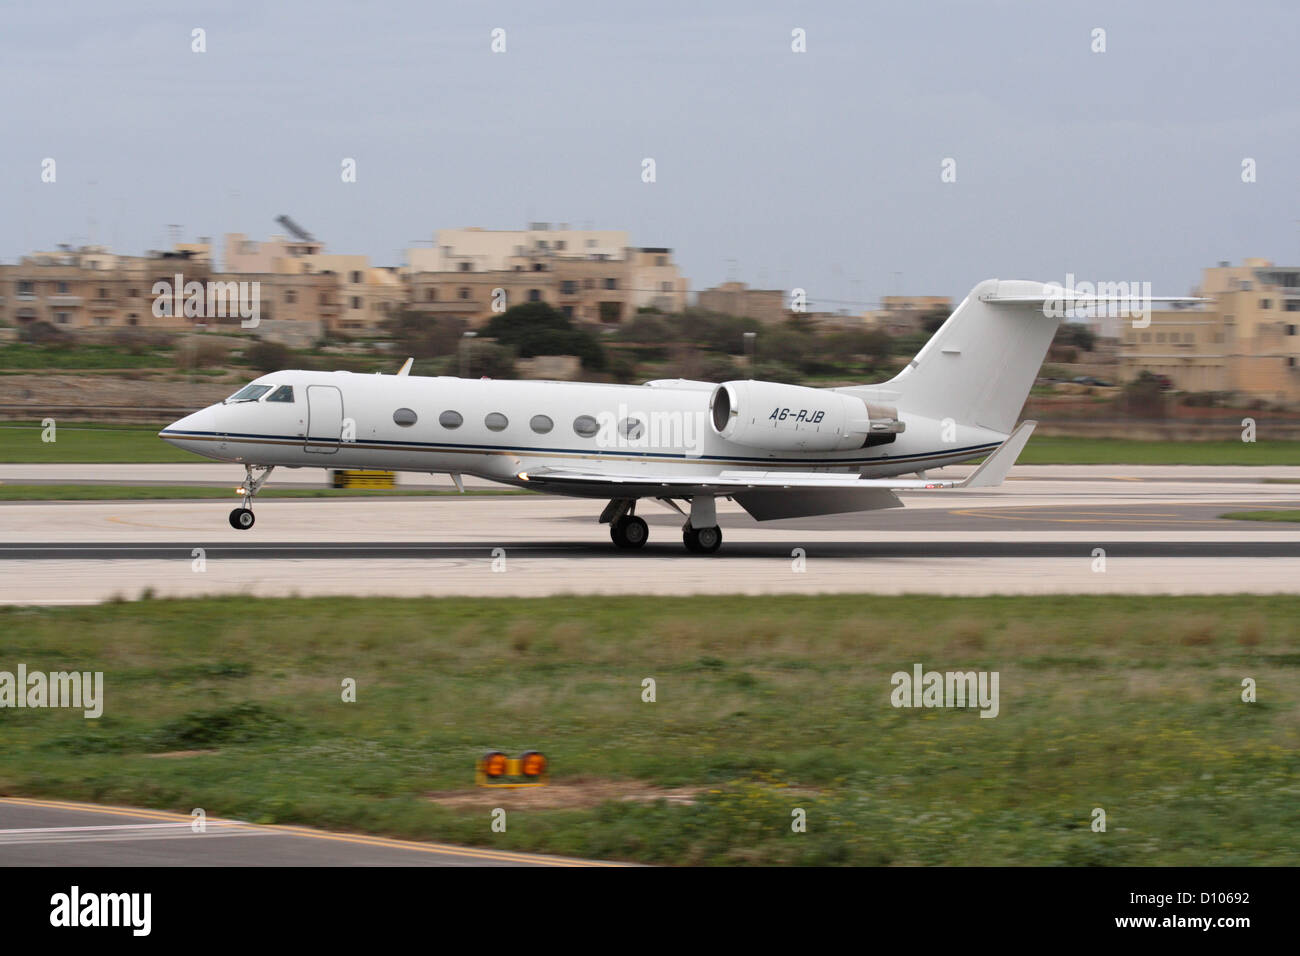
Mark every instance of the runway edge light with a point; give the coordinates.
(495, 769)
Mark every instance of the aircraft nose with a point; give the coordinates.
(185, 428)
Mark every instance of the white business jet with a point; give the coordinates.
(780, 451)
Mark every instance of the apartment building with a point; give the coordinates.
(592, 276)
(1246, 340)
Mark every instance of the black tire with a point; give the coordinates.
(629, 532)
(241, 519)
(702, 540)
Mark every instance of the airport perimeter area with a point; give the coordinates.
(1125, 618)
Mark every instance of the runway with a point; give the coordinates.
(1050, 529)
(63, 833)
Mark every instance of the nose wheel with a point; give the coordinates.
(241, 519)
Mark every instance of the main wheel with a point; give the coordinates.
(629, 532)
(702, 540)
(241, 519)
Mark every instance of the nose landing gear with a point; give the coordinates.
(241, 519)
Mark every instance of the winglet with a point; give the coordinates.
(996, 465)
(406, 366)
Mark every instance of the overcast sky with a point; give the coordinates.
(819, 169)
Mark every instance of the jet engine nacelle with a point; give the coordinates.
(778, 417)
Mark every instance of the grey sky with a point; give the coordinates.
(819, 170)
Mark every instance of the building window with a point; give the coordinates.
(496, 422)
(450, 419)
(356, 277)
(26, 288)
(61, 318)
(405, 417)
(661, 260)
(589, 283)
(534, 295)
(1146, 336)
(324, 298)
(611, 283)
(585, 426)
(1290, 330)
(356, 302)
(290, 296)
(467, 267)
(464, 292)
(560, 245)
(541, 424)
(1265, 303)
(430, 295)
(103, 293)
(568, 287)
(1292, 305)
(133, 319)
(63, 288)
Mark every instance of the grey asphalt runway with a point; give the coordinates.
(61, 833)
(1049, 529)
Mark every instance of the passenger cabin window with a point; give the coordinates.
(249, 393)
(585, 426)
(404, 417)
(450, 419)
(496, 422)
(282, 394)
(541, 424)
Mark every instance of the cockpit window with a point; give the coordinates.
(249, 393)
(282, 394)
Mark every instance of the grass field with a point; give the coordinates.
(163, 492)
(763, 705)
(82, 442)
(1264, 515)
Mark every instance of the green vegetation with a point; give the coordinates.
(763, 705)
(1264, 515)
(1117, 451)
(85, 442)
(24, 357)
(17, 492)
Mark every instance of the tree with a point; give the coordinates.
(536, 328)
(267, 356)
(423, 337)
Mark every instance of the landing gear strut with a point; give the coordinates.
(241, 519)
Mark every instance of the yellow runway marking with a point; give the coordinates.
(502, 856)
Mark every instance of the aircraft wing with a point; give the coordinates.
(837, 492)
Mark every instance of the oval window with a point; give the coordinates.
(450, 419)
(631, 428)
(496, 422)
(541, 424)
(586, 426)
(404, 417)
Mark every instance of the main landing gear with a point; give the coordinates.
(700, 534)
(241, 519)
